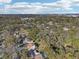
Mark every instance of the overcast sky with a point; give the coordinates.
(39, 6)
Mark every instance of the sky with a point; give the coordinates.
(39, 6)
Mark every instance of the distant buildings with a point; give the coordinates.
(27, 18)
(65, 28)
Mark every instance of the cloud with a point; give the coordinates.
(5, 1)
(60, 6)
(25, 7)
(38, 7)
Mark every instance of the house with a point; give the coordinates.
(32, 52)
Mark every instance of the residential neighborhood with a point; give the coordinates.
(39, 37)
